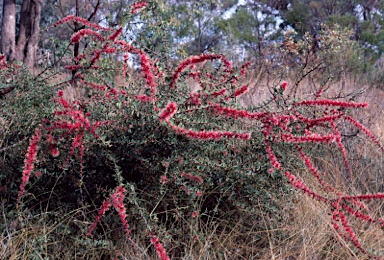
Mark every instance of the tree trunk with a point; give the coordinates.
(28, 32)
(8, 31)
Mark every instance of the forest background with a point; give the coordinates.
(215, 129)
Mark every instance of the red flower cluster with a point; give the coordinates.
(29, 161)
(102, 210)
(329, 102)
(191, 177)
(84, 32)
(284, 85)
(190, 61)
(79, 20)
(159, 248)
(209, 135)
(137, 6)
(240, 91)
(115, 34)
(146, 68)
(118, 202)
(168, 112)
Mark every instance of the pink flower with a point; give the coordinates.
(236, 113)
(241, 91)
(190, 61)
(137, 6)
(143, 98)
(164, 179)
(159, 248)
(342, 149)
(284, 85)
(195, 214)
(312, 138)
(328, 102)
(102, 210)
(298, 184)
(115, 34)
(243, 68)
(168, 112)
(55, 152)
(84, 32)
(79, 20)
(191, 177)
(29, 161)
(219, 93)
(366, 131)
(118, 203)
(146, 68)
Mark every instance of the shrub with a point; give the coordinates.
(173, 157)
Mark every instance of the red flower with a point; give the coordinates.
(241, 91)
(284, 85)
(29, 161)
(102, 210)
(328, 102)
(159, 248)
(191, 177)
(137, 6)
(84, 32)
(168, 112)
(79, 20)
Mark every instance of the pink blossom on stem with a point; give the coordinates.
(73, 67)
(115, 34)
(284, 85)
(342, 149)
(236, 113)
(159, 248)
(219, 93)
(195, 99)
(55, 152)
(79, 20)
(189, 61)
(84, 32)
(272, 157)
(358, 214)
(350, 232)
(29, 161)
(243, 69)
(209, 135)
(240, 91)
(143, 98)
(146, 68)
(118, 202)
(329, 102)
(366, 131)
(313, 138)
(191, 177)
(364, 197)
(77, 142)
(168, 112)
(102, 210)
(137, 6)
(298, 184)
(310, 166)
(96, 86)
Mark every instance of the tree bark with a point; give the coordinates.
(8, 31)
(28, 32)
